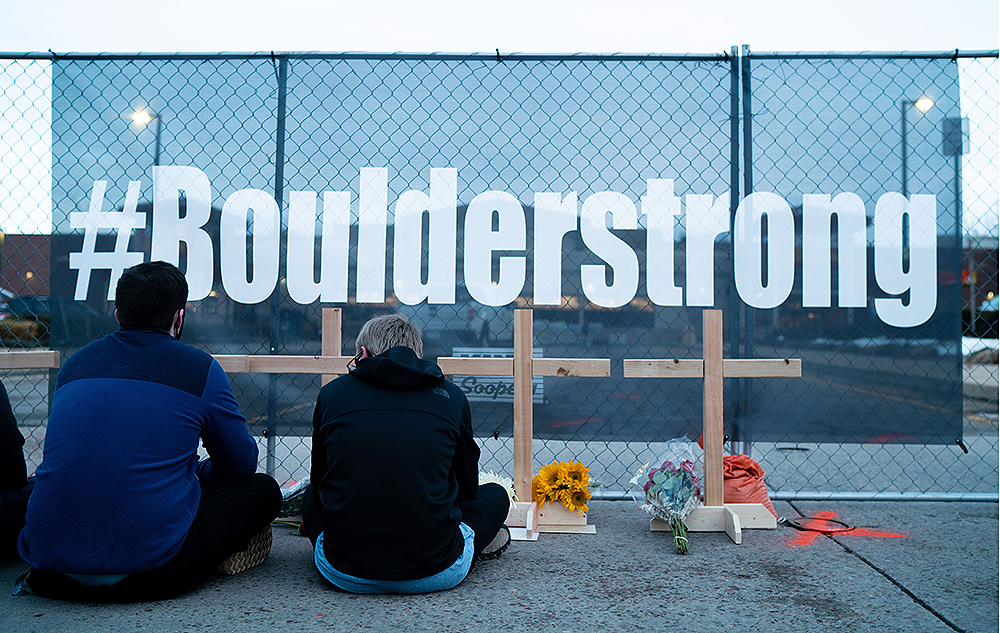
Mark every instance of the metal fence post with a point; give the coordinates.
(734, 199)
(275, 320)
(747, 313)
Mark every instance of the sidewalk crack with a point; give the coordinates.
(895, 582)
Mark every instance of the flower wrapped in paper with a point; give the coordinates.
(490, 477)
(670, 488)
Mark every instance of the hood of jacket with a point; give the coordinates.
(398, 368)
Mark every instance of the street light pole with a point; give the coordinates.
(156, 147)
(923, 104)
(143, 117)
(902, 117)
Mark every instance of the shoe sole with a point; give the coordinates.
(257, 551)
(493, 550)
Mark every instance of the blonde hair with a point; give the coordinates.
(390, 330)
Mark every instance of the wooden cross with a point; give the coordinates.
(329, 364)
(29, 360)
(715, 515)
(523, 367)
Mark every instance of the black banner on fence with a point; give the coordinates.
(596, 190)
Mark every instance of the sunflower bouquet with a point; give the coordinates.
(671, 489)
(562, 482)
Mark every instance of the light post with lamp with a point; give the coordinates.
(143, 117)
(923, 104)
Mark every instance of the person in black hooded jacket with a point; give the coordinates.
(14, 484)
(395, 505)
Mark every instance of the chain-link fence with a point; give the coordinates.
(608, 193)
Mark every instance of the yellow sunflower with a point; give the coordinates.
(549, 474)
(576, 500)
(578, 473)
(563, 480)
(538, 490)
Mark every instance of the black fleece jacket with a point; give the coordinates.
(13, 473)
(392, 452)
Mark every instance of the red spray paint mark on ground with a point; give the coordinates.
(803, 539)
(557, 424)
(630, 396)
(890, 437)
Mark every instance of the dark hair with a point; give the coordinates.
(149, 294)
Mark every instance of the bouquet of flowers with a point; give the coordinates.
(671, 488)
(562, 482)
(292, 494)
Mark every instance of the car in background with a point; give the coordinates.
(5, 297)
(25, 320)
(986, 323)
(29, 320)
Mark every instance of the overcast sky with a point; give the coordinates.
(460, 26)
(536, 26)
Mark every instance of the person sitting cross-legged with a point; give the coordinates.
(122, 509)
(15, 486)
(395, 504)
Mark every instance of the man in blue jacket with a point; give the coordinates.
(122, 510)
(395, 504)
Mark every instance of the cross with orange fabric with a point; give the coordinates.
(716, 516)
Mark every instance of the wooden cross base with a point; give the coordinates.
(522, 520)
(526, 521)
(554, 517)
(730, 518)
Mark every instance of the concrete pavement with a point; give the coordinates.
(940, 574)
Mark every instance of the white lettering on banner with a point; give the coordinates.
(249, 213)
(778, 250)
(890, 212)
(662, 209)
(442, 207)
(172, 229)
(904, 243)
(372, 211)
(619, 256)
(704, 222)
(95, 221)
(336, 222)
(555, 216)
(852, 253)
(481, 241)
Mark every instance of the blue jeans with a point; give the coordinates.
(440, 581)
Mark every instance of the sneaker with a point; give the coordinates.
(497, 546)
(257, 551)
